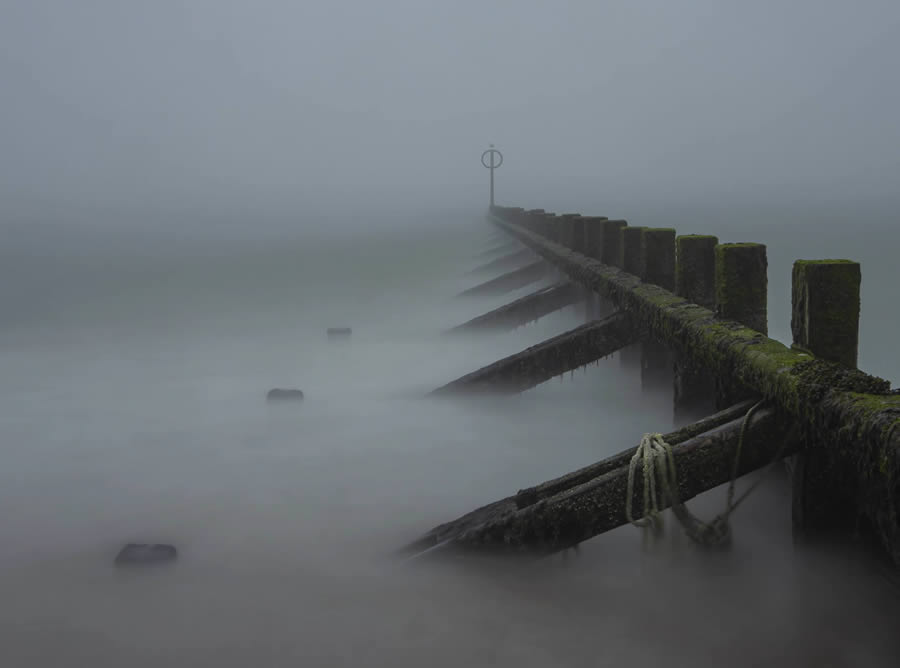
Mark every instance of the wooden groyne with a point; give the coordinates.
(704, 303)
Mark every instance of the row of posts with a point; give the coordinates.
(730, 279)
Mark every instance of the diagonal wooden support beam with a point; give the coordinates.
(511, 281)
(555, 356)
(531, 495)
(579, 513)
(506, 262)
(525, 309)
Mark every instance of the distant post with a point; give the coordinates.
(494, 160)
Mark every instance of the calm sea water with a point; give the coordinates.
(134, 368)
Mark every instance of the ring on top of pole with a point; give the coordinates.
(494, 160)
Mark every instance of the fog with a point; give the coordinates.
(263, 109)
(191, 193)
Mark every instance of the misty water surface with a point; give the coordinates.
(133, 410)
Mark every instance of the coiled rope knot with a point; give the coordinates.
(658, 467)
(661, 488)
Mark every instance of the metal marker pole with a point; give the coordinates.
(494, 154)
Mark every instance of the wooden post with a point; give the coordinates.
(545, 226)
(695, 273)
(741, 295)
(658, 251)
(609, 245)
(659, 256)
(578, 238)
(631, 250)
(825, 309)
(593, 236)
(742, 284)
(631, 259)
(567, 229)
(593, 245)
(551, 227)
(825, 323)
(694, 389)
(516, 214)
(536, 220)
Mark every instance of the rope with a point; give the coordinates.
(653, 452)
(661, 486)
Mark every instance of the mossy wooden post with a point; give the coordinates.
(552, 227)
(546, 226)
(695, 280)
(659, 256)
(695, 272)
(609, 245)
(527, 220)
(592, 236)
(567, 229)
(631, 250)
(741, 295)
(516, 214)
(578, 240)
(658, 251)
(536, 220)
(825, 323)
(631, 259)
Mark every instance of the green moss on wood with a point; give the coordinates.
(825, 308)
(742, 284)
(659, 256)
(695, 273)
(631, 250)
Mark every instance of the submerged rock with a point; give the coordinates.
(279, 394)
(339, 332)
(144, 553)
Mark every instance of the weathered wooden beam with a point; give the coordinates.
(531, 495)
(577, 512)
(518, 278)
(843, 409)
(597, 506)
(505, 262)
(525, 309)
(550, 358)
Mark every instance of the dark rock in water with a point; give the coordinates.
(284, 395)
(339, 332)
(143, 553)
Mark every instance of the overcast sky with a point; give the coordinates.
(288, 105)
